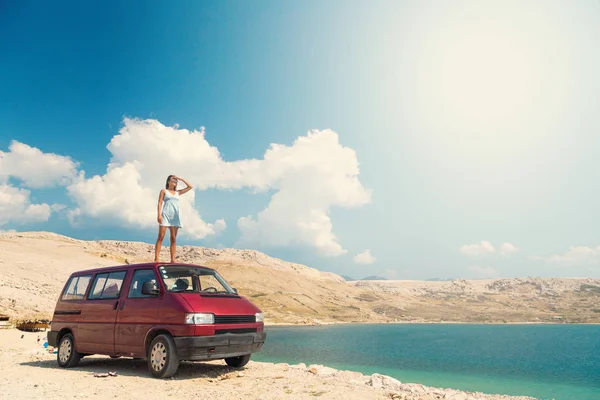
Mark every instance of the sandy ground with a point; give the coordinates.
(29, 371)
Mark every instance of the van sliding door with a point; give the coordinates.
(96, 329)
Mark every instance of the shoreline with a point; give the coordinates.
(27, 367)
(323, 323)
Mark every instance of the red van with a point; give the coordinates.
(166, 313)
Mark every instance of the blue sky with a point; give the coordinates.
(462, 137)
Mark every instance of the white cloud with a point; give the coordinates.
(313, 174)
(144, 153)
(35, 168)
(58, 207)
(121, 197)
(483, 271)
(117, 194)
(308, 177)
(575, 256)
(16, 207)
(508, 248)
(478, 249)
(365, 257)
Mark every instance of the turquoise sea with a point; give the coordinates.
(559, 362)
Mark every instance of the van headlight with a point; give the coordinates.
(259, 317)
(199, 318)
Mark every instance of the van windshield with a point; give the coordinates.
(180, 278)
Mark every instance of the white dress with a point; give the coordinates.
(170, 210)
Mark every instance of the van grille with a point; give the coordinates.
(240, 330)
(234, 319)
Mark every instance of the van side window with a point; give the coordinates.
(76, 288)
(107, 285)
(139, 277)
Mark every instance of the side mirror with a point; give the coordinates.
(150, 288)
(235, 290)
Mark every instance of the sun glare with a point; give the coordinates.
(485, 78)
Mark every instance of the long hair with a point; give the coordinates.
(167, 183)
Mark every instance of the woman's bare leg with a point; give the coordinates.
(173, 247)
(161, 235)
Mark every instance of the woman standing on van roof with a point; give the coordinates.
(168, 213)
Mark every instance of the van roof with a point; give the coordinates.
(135, 266)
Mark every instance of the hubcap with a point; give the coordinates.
(65, 350)
(158, 356)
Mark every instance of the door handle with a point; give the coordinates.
(116, 304)
(122, 305)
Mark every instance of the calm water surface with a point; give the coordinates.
(543, 361)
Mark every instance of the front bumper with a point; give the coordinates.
(196, 348)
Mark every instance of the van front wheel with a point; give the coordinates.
(67, 356)
(238, 362)
(163, 360)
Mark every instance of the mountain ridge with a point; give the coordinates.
(35, 265)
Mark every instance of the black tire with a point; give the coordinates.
(163, 360)
(238, 362)
(67, 356)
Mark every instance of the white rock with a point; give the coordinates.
(376, 381)
(321, 370)
(379, 381)
(352, 376)
(300, 366)
(413, 388)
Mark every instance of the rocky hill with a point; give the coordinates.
(499, 300)
(35, 265)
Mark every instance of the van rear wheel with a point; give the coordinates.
(67, 356)
(163, 360)
(238, 362)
